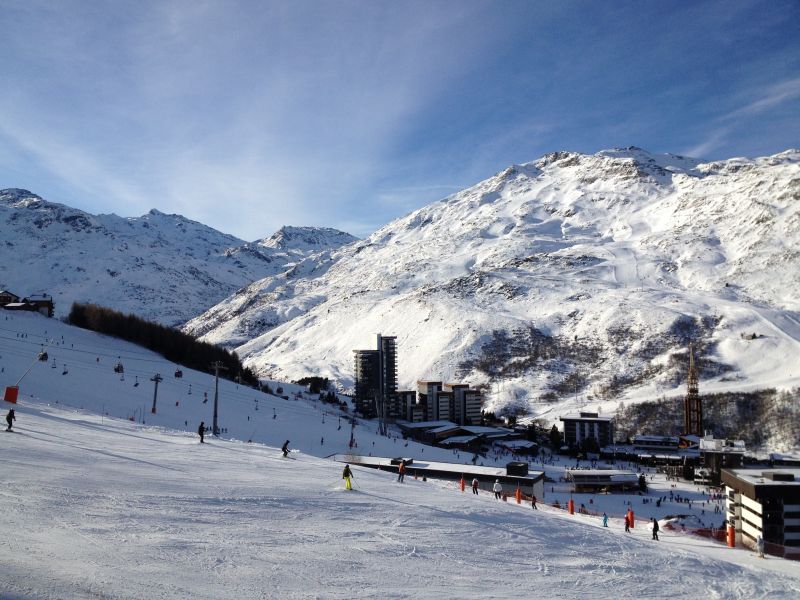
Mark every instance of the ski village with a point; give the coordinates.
(583, 414)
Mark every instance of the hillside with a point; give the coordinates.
(164, 268)
(573, 280)
(97, 506)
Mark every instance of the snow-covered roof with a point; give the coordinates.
(655, 440)
(518, 444)
(444, 428)
(482, 430)
(425, 424)
(441, 467)
(780, 456)
(719, 445)
(459, 439)
(760, 476)
(599, 475)
(593, 417)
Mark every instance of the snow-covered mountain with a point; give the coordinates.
(572, 279)
(162, 267)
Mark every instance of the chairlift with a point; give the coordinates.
(190, 389)
(122, 377)
(65, 371)
(53, 366)
(118, 368)
(178, 373)
(43, 356)
(136, 383)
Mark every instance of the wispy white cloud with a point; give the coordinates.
(769, 98)
(713, 141)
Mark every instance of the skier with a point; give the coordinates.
(347, 474)
(9, 418)
(760, 546)
(497, 488)
(605, 520)
(475, 484)
(655, 529)
(285, 448)
(627, 523)
(401, 471)
(201, 431)
(533, 501)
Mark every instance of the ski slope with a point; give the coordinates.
(98, 506)
(101, 508)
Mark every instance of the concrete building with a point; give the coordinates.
(715, 455)
(366, 374)
(765, 502)
(466, 403)
(584, 425)
(427, 395)
(375, 378)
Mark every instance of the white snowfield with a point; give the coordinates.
(96, 506)
(100, 508)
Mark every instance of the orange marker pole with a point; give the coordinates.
(462, 483)
(518, 494)
(571, 506)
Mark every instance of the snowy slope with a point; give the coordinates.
(95, 506)
(162, 267)
(619, 259)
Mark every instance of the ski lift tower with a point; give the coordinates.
(693, 405)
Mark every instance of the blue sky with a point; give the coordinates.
(248, 116)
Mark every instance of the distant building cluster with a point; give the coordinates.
(41, 303)
(376, 393)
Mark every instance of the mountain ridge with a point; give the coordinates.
(163, 267)
(623, 250)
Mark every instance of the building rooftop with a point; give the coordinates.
(459, 439)
(581, 417)
(425, 424)
(518, 444)
(656, 438)
(761, 476)
(420, 465)
(444, 428)
(480, 429)
(610, 474)
(709, 444)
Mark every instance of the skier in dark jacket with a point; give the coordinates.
(347, 475)
(201, 431)
(285, 448)
(10, 417)
(655, 529)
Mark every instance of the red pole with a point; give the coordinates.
(630, 512)
(731, 537)
(462, 483)
(518, 494)
(571, 506)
